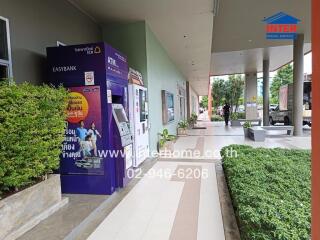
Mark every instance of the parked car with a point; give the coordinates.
(283, 113)
(272, 107)
(286, 117)
(241, 109)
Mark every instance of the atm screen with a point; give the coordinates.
(121, 115)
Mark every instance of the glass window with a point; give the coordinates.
(5, 51)
(142, 102)
(167, 106)
(3, 72)
(170, 106)
(3, 40)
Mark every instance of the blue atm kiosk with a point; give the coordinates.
(97, 150)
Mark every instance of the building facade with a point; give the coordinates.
(28, 27)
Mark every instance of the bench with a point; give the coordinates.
(240, 122)
(257, 134)
(289, 129)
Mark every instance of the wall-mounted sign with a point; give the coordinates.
(167, 106)
(89, 78)
(281, 26)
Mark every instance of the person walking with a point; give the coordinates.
(226, 113)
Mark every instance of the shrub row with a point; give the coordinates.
(216, 118)
(32, 124)
(270, 191)
(236, 115)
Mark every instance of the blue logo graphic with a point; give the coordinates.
(281, 26)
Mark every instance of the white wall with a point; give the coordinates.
(37, 24)
(194, 102)
(162, 75)
(251, 96)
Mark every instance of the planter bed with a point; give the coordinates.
(182, 132)
(240, 122)
(270, 191)
(23, 210)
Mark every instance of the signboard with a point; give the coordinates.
(117, 65)
(83, 135)
(167, 106)
(281, 26)
(283, 98)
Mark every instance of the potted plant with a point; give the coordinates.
(235, 120)
(246, 127)
(166, 140)
(182, 128)
(192, 120)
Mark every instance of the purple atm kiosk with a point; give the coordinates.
(97, 150)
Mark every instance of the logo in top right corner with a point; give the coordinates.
(281, 26)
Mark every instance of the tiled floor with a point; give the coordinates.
(164, 205)
(216, 136)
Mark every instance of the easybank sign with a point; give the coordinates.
(281, 26)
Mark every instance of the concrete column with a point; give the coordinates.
(210, 101)
(266, 93)
(251, 96)
(315, 119)
(298, 78)
(188, 99)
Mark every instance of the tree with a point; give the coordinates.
(234, 90)
(218, 92)
(204, 102)
(230, 90)
(283, 77)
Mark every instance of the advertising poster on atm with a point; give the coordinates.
(84, 132)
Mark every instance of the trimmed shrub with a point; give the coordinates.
(242, 115)
(216, 118)
(236, 115)
(270, 191)
(32, 125)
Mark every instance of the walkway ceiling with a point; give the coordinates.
(247, 61)
(184, 28)
(239, 44)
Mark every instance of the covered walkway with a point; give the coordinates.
(169, 199)
(215, 136)
(184, 208)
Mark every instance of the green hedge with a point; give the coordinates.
(32, 124)
(236, 115)
(271, 192)
(216, 118)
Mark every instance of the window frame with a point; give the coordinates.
(61, 44)
(8, 62)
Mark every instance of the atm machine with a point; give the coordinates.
(97, 149)
(138, 109)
